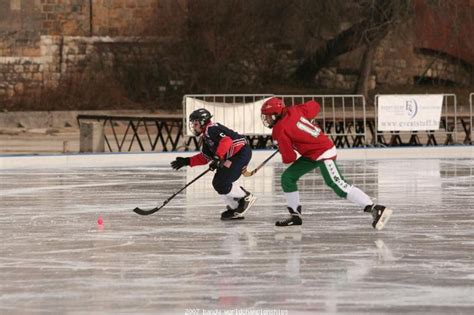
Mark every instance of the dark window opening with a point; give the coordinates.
(436, 54)
(429, 81)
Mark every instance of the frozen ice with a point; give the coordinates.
(56, 259)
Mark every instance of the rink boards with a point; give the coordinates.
(150, 159)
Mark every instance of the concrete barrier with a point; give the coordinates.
(91, 138)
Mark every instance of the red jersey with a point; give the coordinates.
(295, 132)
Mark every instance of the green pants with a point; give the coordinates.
(332, 177)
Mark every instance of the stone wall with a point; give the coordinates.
(19, 76)
(19, 25)
(137, 17)
(29, 74)
(110, 17)
(43, 41)
(65, 56)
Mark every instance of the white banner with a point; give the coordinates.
(243, 118)
(409, 112)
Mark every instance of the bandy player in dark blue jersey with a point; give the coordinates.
(228, 153)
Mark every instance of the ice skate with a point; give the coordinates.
(293, 220)
(380, 215)
(245, 203)
(231, 214)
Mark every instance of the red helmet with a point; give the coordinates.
(272, 106)
(272, 110)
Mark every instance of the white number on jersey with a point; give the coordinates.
(306, 126)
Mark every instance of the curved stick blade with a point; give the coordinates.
(139, 211)
(151, 211)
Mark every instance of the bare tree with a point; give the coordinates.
(222, 37)
(219, 35)
(376, 19)
(223, 34)
(384, 16)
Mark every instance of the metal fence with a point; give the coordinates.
(142, 133)
(240, 112)
(344, 118)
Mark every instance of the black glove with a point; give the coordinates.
(216, 163)
(179, 162)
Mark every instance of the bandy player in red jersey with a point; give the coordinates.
(293, 131)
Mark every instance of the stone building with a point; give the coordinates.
(42, 41)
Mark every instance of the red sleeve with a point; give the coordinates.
(288, 155)
(223, 147)
(198, 159)
(310, 109)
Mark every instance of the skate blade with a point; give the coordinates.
(234, 218)
(252, 201)
(384, 219)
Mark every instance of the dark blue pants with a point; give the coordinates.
(224, 176)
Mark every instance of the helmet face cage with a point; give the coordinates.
(269, 120)
(191, 127)
(202, 116)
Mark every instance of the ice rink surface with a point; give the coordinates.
(55, 258)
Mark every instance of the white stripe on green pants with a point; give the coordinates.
(332, 177)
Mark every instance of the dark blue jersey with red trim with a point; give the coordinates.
(218, 140)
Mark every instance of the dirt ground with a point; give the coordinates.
(39, 141)
(49, 132)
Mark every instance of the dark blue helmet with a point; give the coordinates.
(202, 115)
